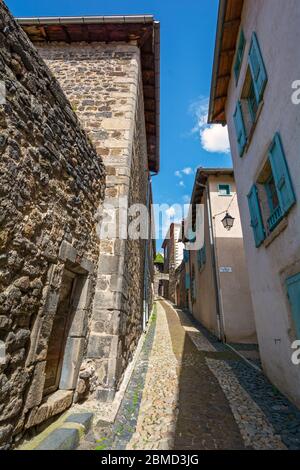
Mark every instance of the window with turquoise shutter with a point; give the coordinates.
(257, 68)
(273, 202)
(239, 55)
(281, 175)
(224, 189)
(256, 217)
(293, 290)
(201, 257)
(240, 129)
(187, 281)
(186, 256)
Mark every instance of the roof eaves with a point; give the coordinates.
(219, 33)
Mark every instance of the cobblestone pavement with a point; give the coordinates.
(191, 392)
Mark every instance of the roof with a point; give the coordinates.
(229, 20)
(141, 28)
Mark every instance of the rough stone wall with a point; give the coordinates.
(104, 85)
(170, 285)
(134, 272)
(52, 182)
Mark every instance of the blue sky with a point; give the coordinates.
(187, 46)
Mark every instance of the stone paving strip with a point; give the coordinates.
(156, 423)
(256, 431)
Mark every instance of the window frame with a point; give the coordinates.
(229, 187)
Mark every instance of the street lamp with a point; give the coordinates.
(228, 221)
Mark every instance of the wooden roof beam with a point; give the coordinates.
(232, 23)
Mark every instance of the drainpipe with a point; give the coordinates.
(220, 322)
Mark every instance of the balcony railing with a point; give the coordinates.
(275, 218)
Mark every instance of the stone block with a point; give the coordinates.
(108, 322)
(87, 265)
(67, 252)
(99, 345)
(85, 419)
(79, 323)
(71, 363)
(105, 394)
(53, 404)
(82, 292)
(116, 283)
(60, 439)
(109, 264)
(35, 392)
(107, 300)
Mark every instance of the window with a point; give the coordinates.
(248, 104)
(224, 189)
(252, 102)
(293, 290)
(273, 202)
(201, 257)
(239, 55)
(186, 256)
(272, 196)
(240, 128)
(247, 107)
(256, 217)
(257, 68)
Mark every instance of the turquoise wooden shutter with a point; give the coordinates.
(239, 55)
(240, 128)
(187, 281)
(293, 289)
(186, 256)
(281, 175)
(256, 218)
(257, 68)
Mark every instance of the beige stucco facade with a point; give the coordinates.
(222, 300)
(276, 24)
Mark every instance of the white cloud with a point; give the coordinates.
(186, 198)
(213, 137)
(171, 211)
(188, 171)
(181, 183)
(184, 172)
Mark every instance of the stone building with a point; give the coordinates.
(181, 293)
(158, 275)
(217, 277)
(173, 255)
(254, 91)
(77, 134)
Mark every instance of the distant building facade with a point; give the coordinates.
(173, 255)
(255, 67)
(216, 274)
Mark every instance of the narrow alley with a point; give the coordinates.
(190, 392)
